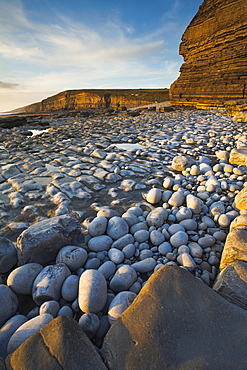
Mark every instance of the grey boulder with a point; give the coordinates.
(42, 241)
(8, 255)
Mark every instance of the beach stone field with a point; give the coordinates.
(92, 209)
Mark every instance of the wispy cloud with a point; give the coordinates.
(66, 54)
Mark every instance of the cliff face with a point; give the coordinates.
(86, 99)
(214, 47)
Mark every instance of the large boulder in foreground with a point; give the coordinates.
(42, 241)
(177, 322)
(61, 344)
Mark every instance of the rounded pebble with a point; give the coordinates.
(70, 288)
(21, 279)
(124, 277)
(119, 304)
(72, 256)
(92, 291)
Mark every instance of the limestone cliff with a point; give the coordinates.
(214, 47)
(100, 99)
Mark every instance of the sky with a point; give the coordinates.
(48, 46)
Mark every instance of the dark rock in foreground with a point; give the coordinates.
(42, 241)
(177, 322)
(61, 344)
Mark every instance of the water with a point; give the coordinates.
(128, 146)
(38, 132)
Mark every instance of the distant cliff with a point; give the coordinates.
(100, 99)
(214, 47)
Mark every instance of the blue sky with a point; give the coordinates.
(47, 46)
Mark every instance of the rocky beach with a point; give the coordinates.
(123, 241)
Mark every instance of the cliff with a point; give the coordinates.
(214, 47)
(100, 99)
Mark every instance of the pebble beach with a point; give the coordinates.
(91, 207)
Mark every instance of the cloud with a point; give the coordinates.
(8, 85)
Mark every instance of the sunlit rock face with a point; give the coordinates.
(214, 47)
(99, 99)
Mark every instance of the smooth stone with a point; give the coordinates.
(166, 195)
(115, 255)
(208, 221)
(8, 303)
(119, 304)
(130, 218)
(97, 226)
(48, 283)
(174, 228)
(180, 163)
(178, 239)
(145, 265)
(129, 250)
(206, 241)
(141, 236)
(26, 330)
(213, 260)
(124, 277)
(89, 323)
(7, 330)
(70, 288)
(156, 237)
(217, 208)
(183, 249)
(183, 213)
(154, 196)
(42, 241)
(231, 283)
(145, 253)
(195, 250)
(100, 243)
(168, 182)
(65, 311)
(107, 212)
(92, 263)
(123, 241)
(177, 199)
(189, 224)
(187, 261)
(51, 307)
(117, 227)
(171, 295)
(194, 203)
(21, 279)
(92, 291)
(138, 226)
(137, 211)
(72, 256)
(224, 221)
(108, 269)
(8, 255)
(157, 217)
(165, 248)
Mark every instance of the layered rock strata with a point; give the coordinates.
(214, 47)
(100, 99)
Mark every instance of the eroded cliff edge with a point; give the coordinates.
(99, 99)
(214, 47)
